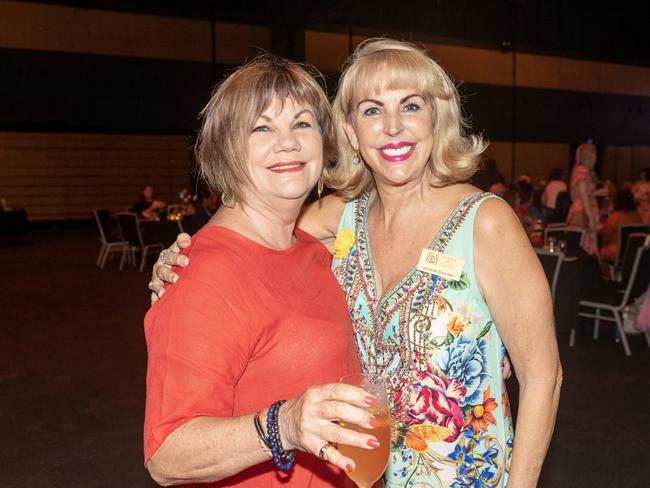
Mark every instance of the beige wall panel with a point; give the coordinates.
(537, 159)
(582, 75)
(56, 176)
(473, 65)
(622, 164)
(68, 29)
(235, 43)
(488, 66)
(325, 50)
(501, 152)
(462, 63)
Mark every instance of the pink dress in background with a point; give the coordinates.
(577, 216)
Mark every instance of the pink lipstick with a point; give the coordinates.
(396, 152)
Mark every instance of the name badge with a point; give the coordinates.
(449, 267)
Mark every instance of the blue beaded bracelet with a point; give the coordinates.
(284, 460)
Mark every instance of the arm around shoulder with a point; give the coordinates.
(321, 218)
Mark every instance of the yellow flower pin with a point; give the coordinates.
(343, 243)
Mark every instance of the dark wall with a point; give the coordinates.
(556, 115)
(588, 29)
(52, 91)
(60, 91)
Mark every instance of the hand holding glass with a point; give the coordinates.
(370, 463)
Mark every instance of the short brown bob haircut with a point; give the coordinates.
(379, 64)
(236, 104)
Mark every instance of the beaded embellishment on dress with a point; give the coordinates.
(434, 342)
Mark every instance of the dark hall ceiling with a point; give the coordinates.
(601, 30)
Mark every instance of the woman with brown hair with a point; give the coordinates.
(256, 317)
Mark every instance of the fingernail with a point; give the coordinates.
(373, 443)
(174, 278)
(349, 468)
(374, 422)
(372, 401)
(185, 261)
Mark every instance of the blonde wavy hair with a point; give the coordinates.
(385, 64)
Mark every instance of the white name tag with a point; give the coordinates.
(449, 267)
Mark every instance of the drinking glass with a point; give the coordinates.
(370, 463)
(551, 244)
(562, 245)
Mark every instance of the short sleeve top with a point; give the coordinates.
(245, 326)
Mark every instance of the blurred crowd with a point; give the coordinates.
(558, 200)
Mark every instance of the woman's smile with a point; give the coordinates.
(288, 167)
(396, 152)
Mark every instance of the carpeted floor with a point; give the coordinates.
(72, 366)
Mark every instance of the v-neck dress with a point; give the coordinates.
(435, 342)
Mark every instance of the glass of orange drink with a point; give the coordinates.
(370, 463)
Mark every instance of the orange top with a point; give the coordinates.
(245, 326)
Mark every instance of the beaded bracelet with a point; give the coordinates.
(262, 439)
(284, 460)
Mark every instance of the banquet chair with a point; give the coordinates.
(572, 236)
(556, 225)
(109, 241)
(634, 242)
(624, 232)
(551, 262)
(613, 301)
(130, 227)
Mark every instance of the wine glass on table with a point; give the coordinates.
(370, 463)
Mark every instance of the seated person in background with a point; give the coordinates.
(553, 188)
(606, 194)
(146, 205)
(536, 208)
(624, 213)
(510, 195)
(561, 210)
(4, 206)
(525, 192)
(499, 189)
(488, 176)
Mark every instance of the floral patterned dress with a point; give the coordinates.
(435, 342)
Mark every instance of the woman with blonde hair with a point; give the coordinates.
(584, 213)
(438, 277)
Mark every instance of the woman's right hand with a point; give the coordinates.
(308, 422)
(162, 272)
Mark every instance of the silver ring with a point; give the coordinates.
(163, 253)
(150, 285)
(321, 451)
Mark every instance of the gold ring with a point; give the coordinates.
(321, 451)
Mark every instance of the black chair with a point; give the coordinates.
(572, 236)
(552, 263)
(110, 240)
(614, 301)
(130, 228)
(634, 242)
(624, 232)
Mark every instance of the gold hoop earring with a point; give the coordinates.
(356, 159)
(228, 200)
(319, 188)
